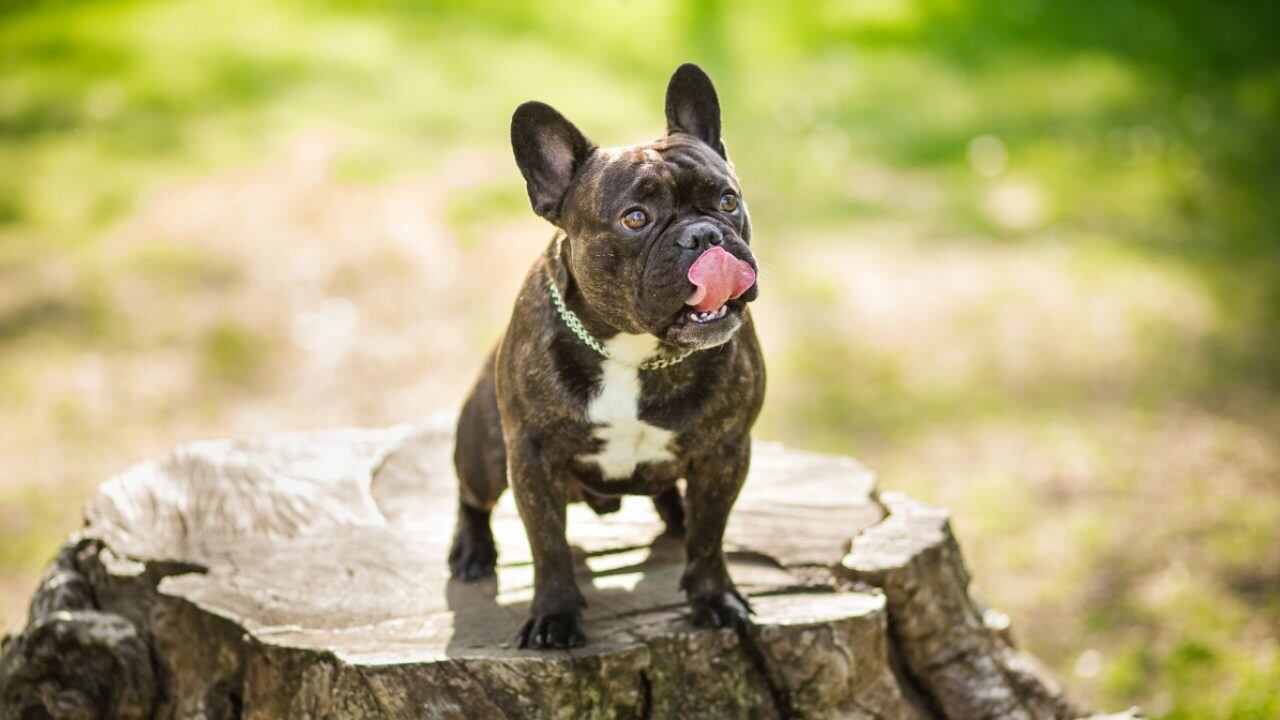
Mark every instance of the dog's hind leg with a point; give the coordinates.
(480, 459)
(670, 507)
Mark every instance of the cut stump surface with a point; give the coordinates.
(305, 575)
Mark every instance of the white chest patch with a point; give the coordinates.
(627, 441)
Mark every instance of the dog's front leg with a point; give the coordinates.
(713, 485)
(555, 618)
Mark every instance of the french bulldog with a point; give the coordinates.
(630, 361)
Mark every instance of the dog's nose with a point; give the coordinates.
(700, 235)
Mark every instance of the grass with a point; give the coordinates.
(1020, 257)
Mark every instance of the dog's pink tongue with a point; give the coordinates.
(718, 277)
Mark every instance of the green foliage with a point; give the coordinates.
(475, 209)
(234, 354)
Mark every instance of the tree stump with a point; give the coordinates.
(304, 575)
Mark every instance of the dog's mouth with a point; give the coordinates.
(720, 285)
(695, 329)
(702, 318)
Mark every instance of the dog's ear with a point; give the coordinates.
(692, 106)
(549, 151)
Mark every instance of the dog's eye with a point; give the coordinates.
(729, 202)
(635, 218)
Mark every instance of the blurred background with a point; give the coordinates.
(1019, 256)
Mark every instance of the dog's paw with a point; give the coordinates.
(721, 609)
(551, 631)
(473, 555)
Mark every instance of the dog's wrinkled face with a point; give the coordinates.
(638, 218)
(658, 232)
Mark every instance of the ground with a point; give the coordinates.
(1019, 258)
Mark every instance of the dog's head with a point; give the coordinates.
(658, 232)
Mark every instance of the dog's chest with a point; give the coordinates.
(625, 439)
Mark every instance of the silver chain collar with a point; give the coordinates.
(574, 323)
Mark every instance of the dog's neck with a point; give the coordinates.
(562, 276)
(641, 351)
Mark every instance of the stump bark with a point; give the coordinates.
(304, 575)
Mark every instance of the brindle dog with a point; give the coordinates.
(650, 255)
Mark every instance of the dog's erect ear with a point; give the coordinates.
(549, 151)
(692, 106)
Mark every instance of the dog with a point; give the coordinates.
(630, 361)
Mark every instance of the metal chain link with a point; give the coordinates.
(575, 326)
